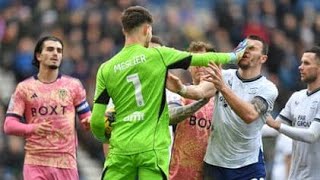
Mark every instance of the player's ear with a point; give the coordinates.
(123, 31)
(38, 56)
(145, 29)
(263, 58)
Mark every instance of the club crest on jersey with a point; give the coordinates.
(62, 94)
(314, 105)
(253, 90)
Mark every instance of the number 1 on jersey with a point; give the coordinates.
(134, 78)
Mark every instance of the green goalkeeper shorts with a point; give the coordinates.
(148, 165)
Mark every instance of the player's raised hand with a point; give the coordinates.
(43, 128)
(174, 84)
(215, 76)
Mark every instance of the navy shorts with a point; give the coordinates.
(254, 171)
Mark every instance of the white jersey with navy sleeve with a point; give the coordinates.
(234, 143)
(301, 109)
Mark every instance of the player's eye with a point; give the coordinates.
(50, 48)
(59, 50)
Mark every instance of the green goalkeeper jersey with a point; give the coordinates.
(135, 79)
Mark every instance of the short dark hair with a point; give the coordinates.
(196, 46)
(134, 16)
(39, 47)
(316, 50)
(157, 40)
(265, 47)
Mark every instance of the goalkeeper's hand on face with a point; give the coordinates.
(239, 50)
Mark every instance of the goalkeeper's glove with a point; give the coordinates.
(239, 51)
(109, 119)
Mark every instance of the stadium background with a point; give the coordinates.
(91, 32)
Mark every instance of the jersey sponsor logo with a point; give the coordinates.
(48, 110)
(301, 121)
(134, 117)
(302, 117)
(129, 63)
(201, 122)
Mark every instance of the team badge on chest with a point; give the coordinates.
(62, 94)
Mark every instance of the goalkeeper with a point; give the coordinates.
(135, 79)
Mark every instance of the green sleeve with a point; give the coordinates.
(171, 55)
(97, 122)
(203, 59)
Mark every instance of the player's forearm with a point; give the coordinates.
(267, 131)
(97, 122)
(180, 113)
(309, 135)
(13, 126)
(245, 110)
(192, 92)
(203, 90)
(203, 59)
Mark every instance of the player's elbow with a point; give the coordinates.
(312, 139)
(7, 128)
(250, 117)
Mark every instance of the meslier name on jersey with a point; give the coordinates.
(129, 63)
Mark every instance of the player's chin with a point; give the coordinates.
(53, 67)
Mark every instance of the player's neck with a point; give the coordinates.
(249, 73)
(314, 85)
(48, 75)
(134, 39)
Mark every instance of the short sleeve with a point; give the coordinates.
(173, 98)
(285, 113)
(80, 95)
(269, 93)
(17, 102)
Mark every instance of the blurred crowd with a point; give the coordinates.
(91, 31)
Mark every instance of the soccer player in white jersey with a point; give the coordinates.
(300, 120)
(243, 101)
